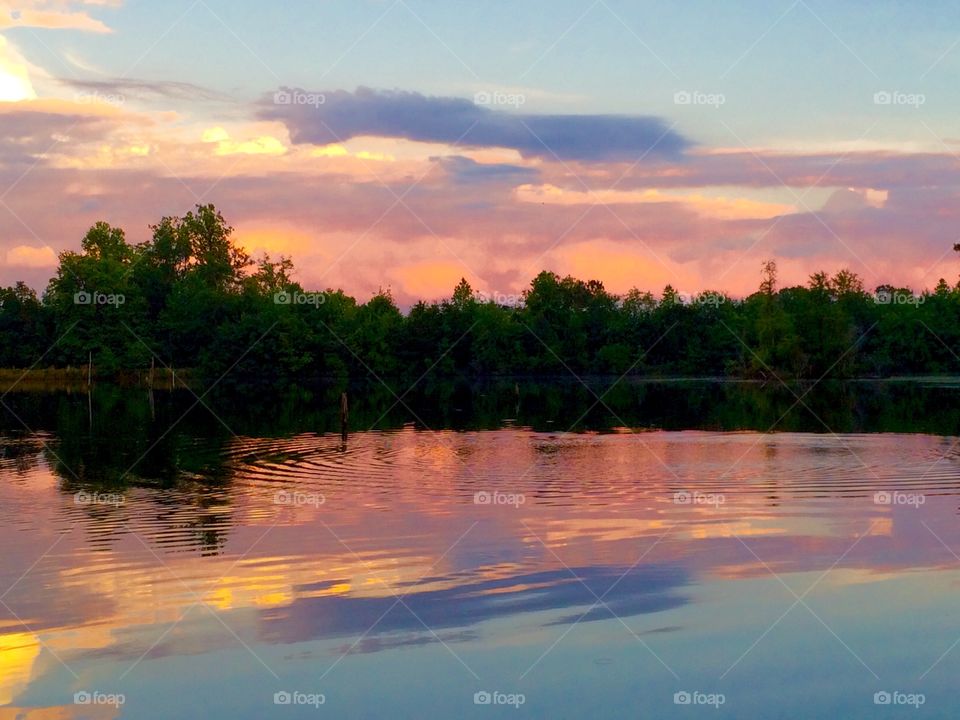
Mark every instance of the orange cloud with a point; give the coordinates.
(622, 269)
(274, 240)
(32, 257)
(432, 279)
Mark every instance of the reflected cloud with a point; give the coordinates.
(628, 591)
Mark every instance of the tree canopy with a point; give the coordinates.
(190, 297)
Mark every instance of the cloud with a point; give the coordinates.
(15, 82)
(225, 145)
(29, 136)
(26, 256)
(719, 207)
(339, 151)
(864, 169)
(846, 200)
(432, 278)
(632, 592)
(486, 214)
(462, 169)
(146, 89)
(52, 14)
(337, 116)
(349, 234)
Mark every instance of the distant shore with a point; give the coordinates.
(76, 379)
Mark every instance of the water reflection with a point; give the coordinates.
(261, 552)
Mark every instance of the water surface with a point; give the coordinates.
(196, 559)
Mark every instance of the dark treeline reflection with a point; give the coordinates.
(120, 441)
(128, 436)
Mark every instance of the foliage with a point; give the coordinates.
(190, 297)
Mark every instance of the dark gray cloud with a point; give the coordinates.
(328, 117)
(467, 170)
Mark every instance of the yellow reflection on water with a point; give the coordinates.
(18, 651)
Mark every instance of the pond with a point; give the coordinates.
(508, 549)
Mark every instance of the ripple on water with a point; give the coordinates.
(554, 467)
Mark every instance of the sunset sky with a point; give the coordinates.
(406, 144)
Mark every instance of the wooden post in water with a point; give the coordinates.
(152, 368)
(89, 368)
(344, 415)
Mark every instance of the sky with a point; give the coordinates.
(405, 144)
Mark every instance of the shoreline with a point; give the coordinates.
(75, 379)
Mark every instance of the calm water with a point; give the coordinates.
(716, 541)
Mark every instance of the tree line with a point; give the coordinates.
(190, 297)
